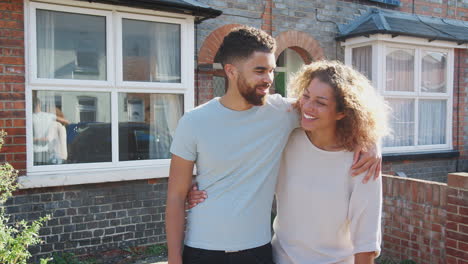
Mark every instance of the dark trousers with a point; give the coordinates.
(258, 255)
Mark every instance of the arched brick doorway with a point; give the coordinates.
(307, 47)
(211, 81)
(294, 49)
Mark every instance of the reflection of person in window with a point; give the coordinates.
(43, 132)
(58, 139)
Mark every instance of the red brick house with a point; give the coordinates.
(91, 91)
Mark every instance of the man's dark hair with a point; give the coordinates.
(241, 42)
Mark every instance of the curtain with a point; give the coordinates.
(433, 78)
(432, 122)
(402, 123)
(166, 110)
(70, 46)
(165, 53)
(362, 60)
(400, 70)
(45, 44)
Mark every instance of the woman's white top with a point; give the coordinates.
(323, 214)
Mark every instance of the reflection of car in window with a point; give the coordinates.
(91, 142)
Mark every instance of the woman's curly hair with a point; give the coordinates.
(365, 121)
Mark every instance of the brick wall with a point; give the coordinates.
(96, 217)
(12, 97)
(457, 219)
(425, 221)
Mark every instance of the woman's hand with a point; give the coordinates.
(194, 197)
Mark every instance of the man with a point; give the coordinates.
(236, 142)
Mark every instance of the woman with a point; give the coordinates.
(323, 214)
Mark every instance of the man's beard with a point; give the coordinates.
(250, 93)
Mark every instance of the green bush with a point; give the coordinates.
(17, 237)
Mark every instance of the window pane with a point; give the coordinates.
(71, 46)
(151, 51)
(289, 62)
(147, 123)
(362, 60)
(432, 121)
(75, 130)
(219, 86)
(280, 83)
(434, 71)
(400, 70)
(402, 123)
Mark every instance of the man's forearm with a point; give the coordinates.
(175, 220)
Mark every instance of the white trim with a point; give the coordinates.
(403, 40)
(117, 8)
(115, 170)
(95, 176)
(380, 43)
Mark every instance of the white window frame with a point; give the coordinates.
(380, 43)
(68, 174)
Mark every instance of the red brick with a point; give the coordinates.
(463, 228)
(10, 114)
(452, 208)
(11, 60)
(452, 226)
(457, 253)
(436, 228)
(463, 210)
(18, 165)
(457, 218)
(15, 131)
(457, 236)
(11, 24)
(16, 87)
(19, 157)
(463, 246)
(14, 69)
(18, 52)
(19, 122)
(450, 243)
(451, 260)
(12, 78)
(19, 140)
(457, 200)
(458, 180)
(14, 148)
(8, 6)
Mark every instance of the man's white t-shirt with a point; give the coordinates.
(324, 215)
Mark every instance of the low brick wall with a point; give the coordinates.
(94, 218)
(425, 221)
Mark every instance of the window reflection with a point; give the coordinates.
(147, 124)
(71, 127)
(71, 46)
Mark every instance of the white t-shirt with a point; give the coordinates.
(237, 155)
(42, 122)
(324, 215)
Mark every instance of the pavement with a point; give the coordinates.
(152, 260)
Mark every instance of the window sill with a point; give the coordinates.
(76, 178)
(420, 155)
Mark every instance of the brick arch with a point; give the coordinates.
(305, 45)
(212, 42)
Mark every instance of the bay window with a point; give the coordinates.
(416, 81)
